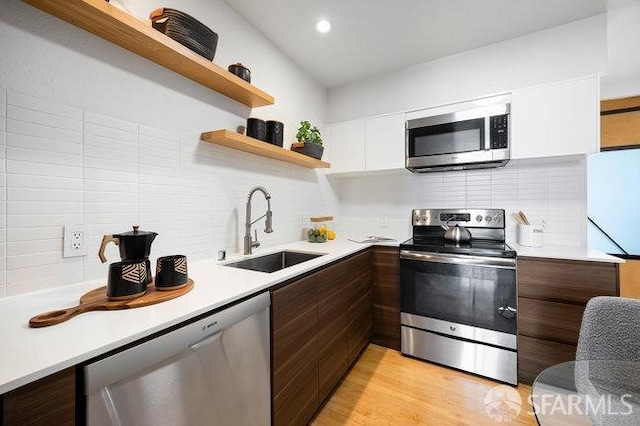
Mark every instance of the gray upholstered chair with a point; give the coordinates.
(610, 333)
(610, 330)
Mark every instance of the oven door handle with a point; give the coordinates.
(457, 259)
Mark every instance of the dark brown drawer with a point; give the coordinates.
(348, 270)
(534, 355)
(566, 280)
(559, 322)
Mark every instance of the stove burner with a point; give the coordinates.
(487, 236)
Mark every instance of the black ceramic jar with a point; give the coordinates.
(275, 132)
(257, 129)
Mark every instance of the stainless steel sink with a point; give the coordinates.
(275, 261)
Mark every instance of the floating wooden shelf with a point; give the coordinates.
(258, 147)
(110, 23)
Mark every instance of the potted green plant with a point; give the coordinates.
(309, 141)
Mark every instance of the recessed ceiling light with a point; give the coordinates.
(323, 26)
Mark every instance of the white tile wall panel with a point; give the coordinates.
(478, 189)
(28, 169)
(44, 132)
(23, 280)
(110, 185)
(158, 187)
(44, 191)
(454, 191)
(113, 128)
(3, 110)
(40, 118)
(3, 192)
(41, 105)
(195, 196)
(553, 192)
(25, 247)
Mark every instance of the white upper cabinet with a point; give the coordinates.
(384, 142)
(556, 119)
(366, 145)
(346, 146)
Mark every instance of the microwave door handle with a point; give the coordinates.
(487, 134)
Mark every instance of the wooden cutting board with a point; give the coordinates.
(97, 300)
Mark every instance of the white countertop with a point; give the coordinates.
(565, 252)
(29, 354)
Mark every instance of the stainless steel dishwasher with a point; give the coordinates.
(214, 371)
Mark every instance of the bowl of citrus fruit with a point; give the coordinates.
(320, 233)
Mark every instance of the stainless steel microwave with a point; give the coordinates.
(467, 139)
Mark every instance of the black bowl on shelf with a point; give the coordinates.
(241, 71)
(186, 30)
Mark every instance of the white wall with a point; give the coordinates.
(560, 53)
(623, 65)
(551, 192)
(93, 134)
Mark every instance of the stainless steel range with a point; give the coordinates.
(458, 299)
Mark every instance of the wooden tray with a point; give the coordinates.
(97, 300)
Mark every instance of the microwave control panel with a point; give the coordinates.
(499, 131)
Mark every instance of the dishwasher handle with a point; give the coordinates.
(208, 340)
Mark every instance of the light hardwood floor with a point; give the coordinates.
(385, 388)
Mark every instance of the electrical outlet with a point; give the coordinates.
(384, 221)
(75, 241)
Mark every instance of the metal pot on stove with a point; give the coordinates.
(456, 234)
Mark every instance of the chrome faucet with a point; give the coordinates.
(249, 243)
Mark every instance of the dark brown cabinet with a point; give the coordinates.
(386, 297)
(295, 351)
(320, 325)
(45, 402)
(333, 327)
(552, 295)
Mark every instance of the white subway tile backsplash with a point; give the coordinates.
(32, 156)
(106, 126)
(25, 168)
(110, 185)
(34, 234)
(3, 192)
(35, 208)
(42, 105)
(44, 191)
(43, 219)
(39, 195)
(45, 132)
(44, 277)
(49, 146)
(66, 166)
(554, 192)
(28, 247)
(43, 118)
(159, 187)
(157, 134)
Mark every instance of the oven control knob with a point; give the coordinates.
(423, 218)
(479, 218)
(452, 327)
(487, 218)
(496, 218)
